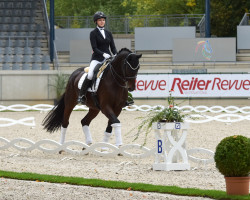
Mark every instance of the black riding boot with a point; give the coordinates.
(82, 93)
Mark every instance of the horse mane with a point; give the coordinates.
(124, 49)
(121, 55)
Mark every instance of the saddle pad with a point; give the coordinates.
(94, 87)
(80, 82)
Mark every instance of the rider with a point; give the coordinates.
(100, 40)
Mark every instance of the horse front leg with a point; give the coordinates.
(85, 125)
(107, 133)
(113, 123)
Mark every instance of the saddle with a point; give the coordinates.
(98, 74)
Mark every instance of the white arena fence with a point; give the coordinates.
(28, 121)
(96, 149)
(229, 116)
(146, 108)
(198, 117)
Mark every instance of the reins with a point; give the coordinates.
(114, 74)
(125, 78)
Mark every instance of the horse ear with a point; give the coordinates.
(138, 56)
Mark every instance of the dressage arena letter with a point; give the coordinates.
(152, 85)
(159, 146)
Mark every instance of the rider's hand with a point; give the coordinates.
(105, 55)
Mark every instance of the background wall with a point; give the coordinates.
(243, 37)
(29, 87)
(204, 50)
(160, 38)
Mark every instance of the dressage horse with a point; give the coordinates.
(118, 78)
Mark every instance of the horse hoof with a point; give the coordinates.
(88, 145)
(62, 151)
(119, 154)
(85, 148)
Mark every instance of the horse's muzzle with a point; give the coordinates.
(131, 89)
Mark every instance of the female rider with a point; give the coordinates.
(100, 40)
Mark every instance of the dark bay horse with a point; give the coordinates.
(117, 80)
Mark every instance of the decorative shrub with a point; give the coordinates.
(168, 114)
(232, 156)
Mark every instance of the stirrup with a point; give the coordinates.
(81, 99)
(129, 103)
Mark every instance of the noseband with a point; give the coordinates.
(124, 78)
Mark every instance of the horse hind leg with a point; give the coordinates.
(69, 106)
(85, 125)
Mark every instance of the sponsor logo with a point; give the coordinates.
(214, 84)
(151, 85)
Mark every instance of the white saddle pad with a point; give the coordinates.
(93, 88)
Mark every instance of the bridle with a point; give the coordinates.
(124, 78)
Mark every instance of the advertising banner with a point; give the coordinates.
(192, 85)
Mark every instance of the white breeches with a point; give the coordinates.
(92, 65)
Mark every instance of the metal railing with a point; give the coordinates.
(126, 24)
(245, 20)
(46, 18)
(201, 26)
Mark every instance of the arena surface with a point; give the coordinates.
(206, 135)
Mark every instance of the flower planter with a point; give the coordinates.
(171, 151)
(237, 185)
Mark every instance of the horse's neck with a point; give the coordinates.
(118, 65)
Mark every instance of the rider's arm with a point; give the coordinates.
(94, 45)
(112, 45)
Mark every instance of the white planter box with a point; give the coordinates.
(171, 151)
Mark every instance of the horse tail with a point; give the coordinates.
(53, 121)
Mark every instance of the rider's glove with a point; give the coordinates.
(105, 55)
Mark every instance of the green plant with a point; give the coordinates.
(167, 114)
(232, 156)
(59, 84)
(130, 98)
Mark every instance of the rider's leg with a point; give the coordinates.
(82, 94)
(87, 82)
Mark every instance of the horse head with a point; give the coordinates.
(126, 66)
(131, 69)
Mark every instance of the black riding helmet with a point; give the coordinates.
(99, 15)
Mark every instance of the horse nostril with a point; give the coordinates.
(131, 89)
